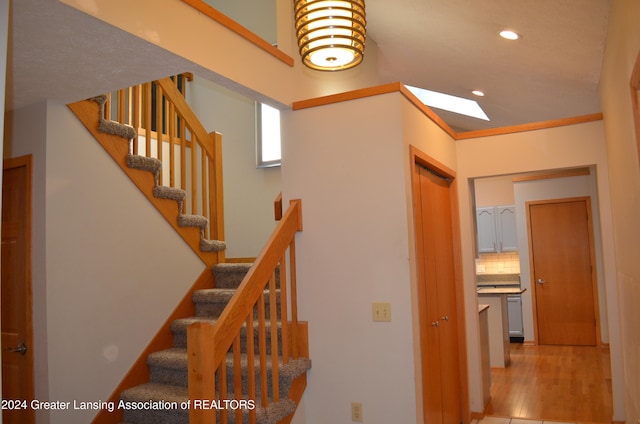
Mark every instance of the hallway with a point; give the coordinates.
(557, 383)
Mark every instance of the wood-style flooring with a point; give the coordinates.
(553, 383)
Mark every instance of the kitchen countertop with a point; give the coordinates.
(498, 280)
(500, 290)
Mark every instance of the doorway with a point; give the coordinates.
(441, 317)
(563, 270)
(17, 328)
(529, 188)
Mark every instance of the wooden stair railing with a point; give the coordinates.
(210, 345)
(170, 131)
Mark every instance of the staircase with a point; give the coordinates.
(238, 352)
(154, 166)
(169, 373)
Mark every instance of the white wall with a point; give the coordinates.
(353, 251)
(557, 188)
(108, 269)
(621, 53)
(494, 191)
(248, 192)
(356, 248)
(555, 148)
(259, 16)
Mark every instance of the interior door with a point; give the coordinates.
(562, 252)
(17, 353)
(439, 345)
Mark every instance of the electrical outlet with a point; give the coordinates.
(356, 412)
(381, 311)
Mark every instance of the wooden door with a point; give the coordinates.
(439, 339)
(563, 271)
(17, 346)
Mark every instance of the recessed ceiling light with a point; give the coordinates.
(450, 103)
(509, 35)
(478, 93)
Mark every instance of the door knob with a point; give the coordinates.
(445, 318)
(541, 281)
(435, 324)
(22, 349)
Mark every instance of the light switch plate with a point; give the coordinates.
(356, 412)
(381, 311)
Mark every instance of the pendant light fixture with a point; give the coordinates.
(330, 33)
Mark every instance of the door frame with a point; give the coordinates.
(27, 163)
(419, 158)
(634, 85)
(592, 257)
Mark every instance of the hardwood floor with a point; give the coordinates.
(561, 383)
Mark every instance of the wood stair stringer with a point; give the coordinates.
(88, 112)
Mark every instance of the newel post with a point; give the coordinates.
(201, 371)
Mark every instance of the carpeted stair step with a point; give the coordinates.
(211, 302)
(156, 393)
(170, 367)
(112, 127)
(151, 395)
(144, 163)
(169, 193)
(197, 221)
(230, 275)
(212, 245)
(179, 329)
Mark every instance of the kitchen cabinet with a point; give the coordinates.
(496, 226)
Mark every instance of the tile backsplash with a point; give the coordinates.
(498, 263)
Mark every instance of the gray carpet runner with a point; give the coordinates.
(169, 373)
(154, 166)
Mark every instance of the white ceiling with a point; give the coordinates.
(450, 46)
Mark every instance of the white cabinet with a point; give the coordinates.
(497, 229)
(486, 222)
(507, 237)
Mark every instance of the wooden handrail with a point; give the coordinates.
(250, 289)
(258, 286)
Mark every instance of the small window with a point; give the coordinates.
(267, 136)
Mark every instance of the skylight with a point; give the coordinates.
(450, 103)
